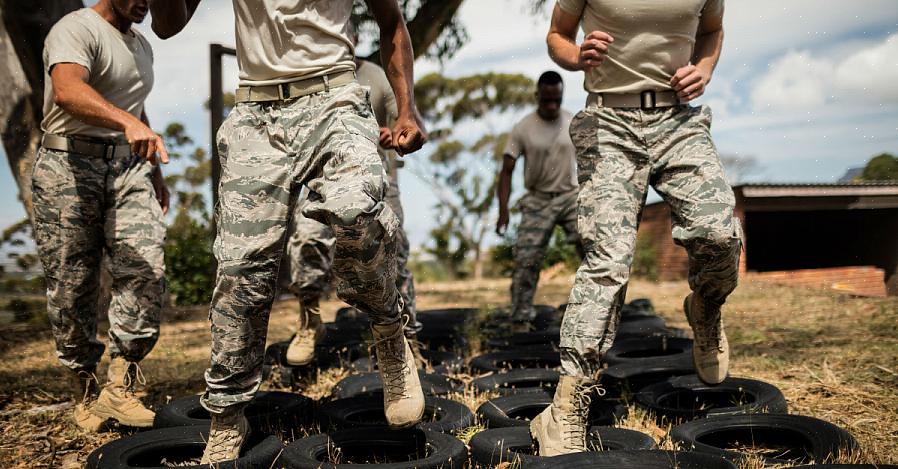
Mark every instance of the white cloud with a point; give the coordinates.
(871, 74)
(795, 82)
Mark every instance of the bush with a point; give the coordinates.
(645, 263)
(189, 263)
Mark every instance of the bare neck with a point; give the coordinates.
(105, 10)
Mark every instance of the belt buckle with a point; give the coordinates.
(647, 100)
(109, 151)
(284, 91)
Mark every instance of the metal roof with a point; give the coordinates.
(869, 188)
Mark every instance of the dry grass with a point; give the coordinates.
(834, 356)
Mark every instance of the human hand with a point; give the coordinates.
(386, 138)
(689, 82)
(594, 49)
(502, 223)
(408, 135)
(145, 143)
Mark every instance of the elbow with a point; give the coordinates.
(62, 99)
(163, 32)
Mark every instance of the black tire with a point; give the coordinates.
(517, 381)
(687, 398)
(638, 307)
(637, 459)
(628, 378)
(649, 351)
(358, 446)
(492, 447)
(147, 450)
(442, 362)
(847, 466)
(511, 359)
(516, 410)
(549, 337)
(440, 415)
(268, 411)
(642, 326)
(368, 383)
(796, 438)
(446, 319)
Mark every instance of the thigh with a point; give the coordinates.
(134, 225)
(537, 223)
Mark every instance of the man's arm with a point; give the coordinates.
(163, 196)
(72, 93)
(503, 191)
(396, 53)
(563, 48)
(171, 16)
(690, 81)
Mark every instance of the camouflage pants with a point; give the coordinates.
(85, 206)
(540, 213)
(620, 152)
(327, 142)
(307, 265)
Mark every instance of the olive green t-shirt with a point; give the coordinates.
(119, 66)
(279, 41)
(652, 39)
(550, 161)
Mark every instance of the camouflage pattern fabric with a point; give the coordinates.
(540, 212)
(620, 152)
(85, 206)
(328, 142)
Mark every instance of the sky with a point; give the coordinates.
(809, 88)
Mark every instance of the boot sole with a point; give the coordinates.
(299, 363)
(121, 420)
(407, 425)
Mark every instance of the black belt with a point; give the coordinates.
(103, 148)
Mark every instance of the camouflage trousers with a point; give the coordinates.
(85, 206)
(306, 269)
(328, 142)
(620, 153)
(540, 212)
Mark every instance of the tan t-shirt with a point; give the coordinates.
(550, 162)
(120, 68)
(383, 103)
(287, 40)
(652, 39)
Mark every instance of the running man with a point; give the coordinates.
(301, 119)
(644, 60)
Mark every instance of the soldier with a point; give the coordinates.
(644, 61)
(301, 119)
(550, 177)
(310, 244)
(97, 192)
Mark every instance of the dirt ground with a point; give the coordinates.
(834, 356)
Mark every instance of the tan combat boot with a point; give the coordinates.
(86, 387)
(710, 351)
(561, 428)
(226, 436)
(301, 350)
(118, 400)
(403, 398)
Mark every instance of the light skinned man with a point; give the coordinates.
(543, 139)
(301, 119)
(97, 193)
(644, 60)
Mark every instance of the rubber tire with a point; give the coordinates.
(269, 410)
(817, 438)
(519, 358)
(700, 399)
(627, 378)
(649, 351)
(448, 318)
(503, 412)
(447, 452)
(550, 337)
(442, 362)
(259, 453)
(369, 383)
(343, 414)
(518, 381)
(636, 459)
(847, 466)
(492, 447)
(643, 326)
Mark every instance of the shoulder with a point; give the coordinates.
(143, 41)
(79, 22)
(525, 123)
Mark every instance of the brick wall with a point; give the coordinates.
(861, 280)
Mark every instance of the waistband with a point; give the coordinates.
(645, 100)
(102, 148)
(551, 194)
(293, 89)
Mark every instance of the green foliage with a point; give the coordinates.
(558, 251)
(645, 260)
(189, 263)
(24, 309)
(471, 97)
(882, 167)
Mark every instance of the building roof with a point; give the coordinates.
(864, 189)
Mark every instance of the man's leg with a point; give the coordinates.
(135, 232)
(537, 223)
(68, 231)
(310, 255)
(689, 176)
(256, 195)
(405, 281)
(567, 218)
(613, 174)
(348, 195)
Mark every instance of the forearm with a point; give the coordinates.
(503, 190)
(563, 51)
(85, 104)
(171, 16)
(707, 51)
(396, 52)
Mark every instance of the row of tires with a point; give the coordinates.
(710, 441)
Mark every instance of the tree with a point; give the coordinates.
(463, 175)
(739, 167)
(882, 167)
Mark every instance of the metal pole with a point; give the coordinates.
(216, 114)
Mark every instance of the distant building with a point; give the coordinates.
(837, 236)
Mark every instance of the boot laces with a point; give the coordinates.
(576, 421)
(711, 324)
(87, 377)
(222, 440)
(392, 363)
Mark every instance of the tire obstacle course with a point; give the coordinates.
(650, 367)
